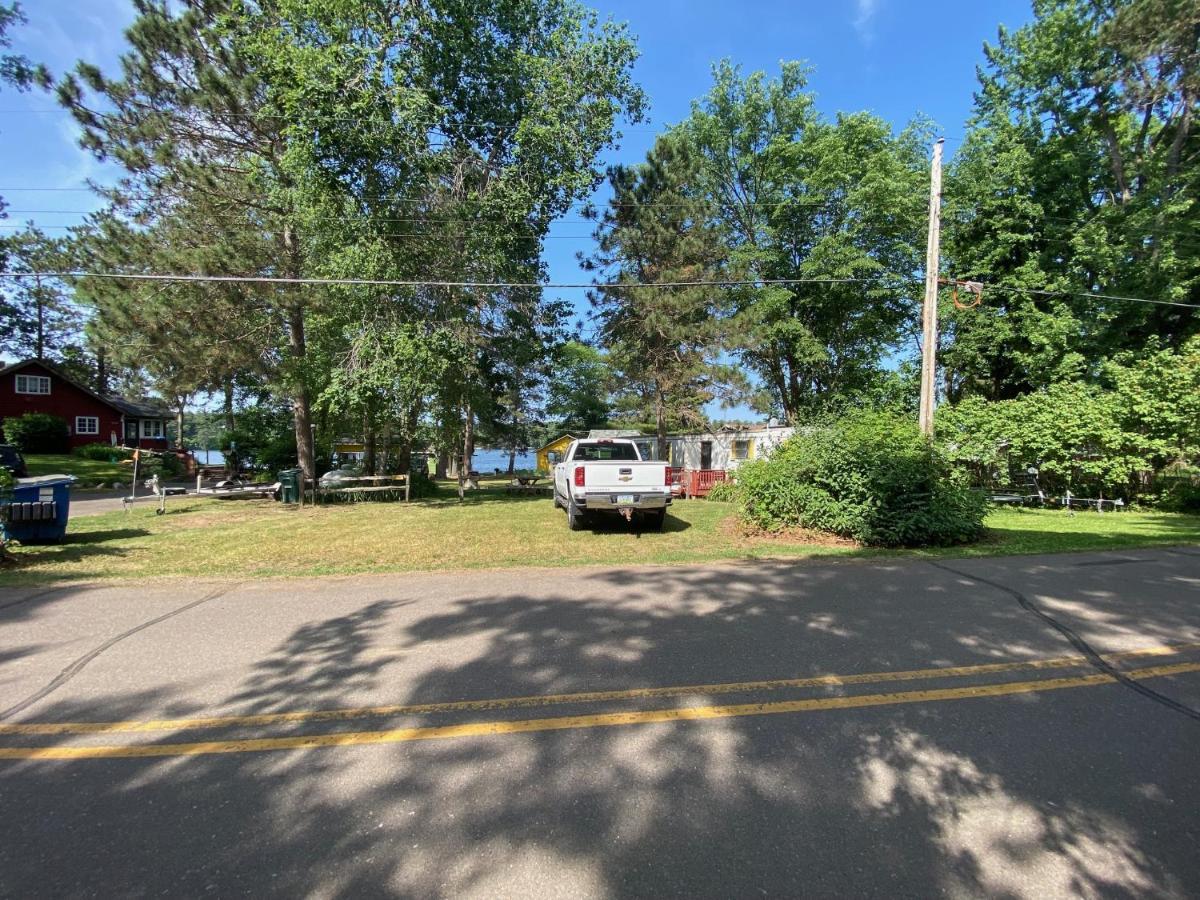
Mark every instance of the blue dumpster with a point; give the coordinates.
(38, 509)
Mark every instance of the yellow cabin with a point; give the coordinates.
(548, 455)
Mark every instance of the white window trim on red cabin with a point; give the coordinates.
(147, 432)
(94, 420)
(40, 380)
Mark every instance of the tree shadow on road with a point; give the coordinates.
(958, 798)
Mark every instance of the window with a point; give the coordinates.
(741, 449)
(604, 451)
(33, 384)
(152, 428)
(87, 425)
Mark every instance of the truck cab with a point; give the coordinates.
(609, 477)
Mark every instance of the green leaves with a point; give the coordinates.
(868, 476)
(1078, 174)
(663, 341)
(794, 195)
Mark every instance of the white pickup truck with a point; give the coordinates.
(610, 476)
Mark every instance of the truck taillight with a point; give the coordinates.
(667, 475)
(579, 476)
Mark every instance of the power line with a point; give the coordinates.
(1087, 295)
(745, 282)
(358, 120)
(433, 235)
(383, 282)
(233, 217)
(600, 204)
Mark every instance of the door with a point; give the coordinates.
(706, 454)
(131, 432)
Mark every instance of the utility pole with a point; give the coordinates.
(929, 311)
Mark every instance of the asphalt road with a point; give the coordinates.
(611, 732)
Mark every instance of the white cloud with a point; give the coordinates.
(864, 19)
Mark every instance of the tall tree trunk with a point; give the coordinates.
(512, 461)
(404, 449)
(179, 426)
(101, 371)
(384, 463)
(468, 448)
(660, 422)
(301, 416)
(368, 446)
(229, 423)
(441, 469)
(301, 408)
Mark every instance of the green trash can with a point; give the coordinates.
(289, 486)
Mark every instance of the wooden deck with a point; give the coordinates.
(698, 482)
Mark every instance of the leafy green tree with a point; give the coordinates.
(1078, 176)
(394, 377)
(800, 197)
(1072, 432)
(474, 125)
(193, 113)
(1158, 394)
(663, 341)
(578, 397)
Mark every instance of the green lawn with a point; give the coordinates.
(88, 471)
(250, 538)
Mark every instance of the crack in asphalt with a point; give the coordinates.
(1095, 659)
(78, 665)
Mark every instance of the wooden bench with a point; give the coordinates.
(398, 484)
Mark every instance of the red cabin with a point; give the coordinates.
(35, 386)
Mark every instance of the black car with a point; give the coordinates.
(11, 459)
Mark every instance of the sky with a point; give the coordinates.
(896, 58)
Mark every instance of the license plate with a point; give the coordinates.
(624, 499)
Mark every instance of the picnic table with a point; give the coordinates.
(524, 484)
(363, 486)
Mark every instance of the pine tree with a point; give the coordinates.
(665, 341)
(37, 316)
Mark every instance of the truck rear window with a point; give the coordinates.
(604, 452)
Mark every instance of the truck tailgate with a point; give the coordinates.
(621, 476)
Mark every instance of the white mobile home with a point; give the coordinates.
(723, 448)
(726, 447)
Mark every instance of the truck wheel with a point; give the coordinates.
(655, 520)
(574, 516)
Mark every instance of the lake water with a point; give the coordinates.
(484, 461)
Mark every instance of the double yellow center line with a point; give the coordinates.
(599, 720)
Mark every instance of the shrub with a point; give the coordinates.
(1177, 495)
(869, 476)
(102, 452)
(421, 484)
(723, 492)
(37, 433)
(1072, 433)
(164, 465)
